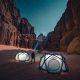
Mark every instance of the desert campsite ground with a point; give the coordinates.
(12, 70)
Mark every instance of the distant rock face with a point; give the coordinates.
(41, 38)
(26, 36)
(39, 42)
(67, 28)
(14, 30)
(52, 42)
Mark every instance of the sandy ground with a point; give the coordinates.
(12, 70)
(6, 47)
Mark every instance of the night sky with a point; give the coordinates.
(42, 14)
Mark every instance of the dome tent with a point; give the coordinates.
(53, 63)
(22, 56)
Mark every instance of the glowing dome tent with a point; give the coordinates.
(53, 63)
(22, 56)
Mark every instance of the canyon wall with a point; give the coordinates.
(10, 21)
(67, 30)
(26, 35)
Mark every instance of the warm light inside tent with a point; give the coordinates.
(22, 56)
(53, 63)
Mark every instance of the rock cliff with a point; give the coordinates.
(67, 28)
(26, 35)
(10, 24)
(9, 20)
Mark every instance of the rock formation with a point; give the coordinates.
(10, 22)
(26, 35)
(38, 44)
(72, 24)
(74, 46)
(67, 28)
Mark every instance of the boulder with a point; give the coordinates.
(74, 46)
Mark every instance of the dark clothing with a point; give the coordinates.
(33, 57)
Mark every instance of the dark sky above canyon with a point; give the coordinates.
(42, 14)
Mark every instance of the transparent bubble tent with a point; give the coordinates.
(22, 56)
(53, 63)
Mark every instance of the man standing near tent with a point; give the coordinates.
(32, 57)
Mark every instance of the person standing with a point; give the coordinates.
(32, 57)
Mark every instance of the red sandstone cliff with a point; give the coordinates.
(26, 35)
(10, 22)
(9, 19)
(67, 30)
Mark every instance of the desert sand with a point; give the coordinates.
(12, 70)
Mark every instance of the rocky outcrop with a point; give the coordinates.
(14, 30)
(67, 28)
(9, 20)
(72, 24)
(26, 35)
(38, 44)
(51, 42)
(74, 46)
